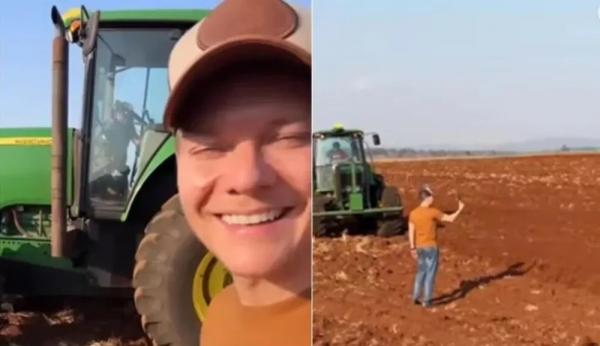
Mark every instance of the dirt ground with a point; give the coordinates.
(520, 266)
(71, 322)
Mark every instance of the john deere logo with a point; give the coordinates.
(23, 141)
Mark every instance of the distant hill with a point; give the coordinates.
(409, 152)
(556, 144)
(551, 144)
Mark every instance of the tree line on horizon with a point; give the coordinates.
(411, 152)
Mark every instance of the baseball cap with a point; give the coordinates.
(425, 191)
(236, 31)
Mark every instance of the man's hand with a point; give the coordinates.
(453, 216)
(413, 253)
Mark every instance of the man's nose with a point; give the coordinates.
(248, 169)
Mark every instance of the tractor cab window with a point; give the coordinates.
(129, 97)
(332, 151)
(336, 150)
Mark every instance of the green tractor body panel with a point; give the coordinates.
(356, 201)
(365, 212)
(165, 153)
(25, 175)
(25, 209)
(32, 251)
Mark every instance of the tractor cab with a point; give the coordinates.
(125, 91)
(343, 167)
(125, 107)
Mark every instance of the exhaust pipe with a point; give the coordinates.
(60, 83)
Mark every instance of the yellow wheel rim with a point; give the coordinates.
(209, 279)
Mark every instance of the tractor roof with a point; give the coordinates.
(156, 15)
(181, 15)
(339, 131)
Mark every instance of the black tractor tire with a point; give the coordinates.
(166, 261)
(390, 224)
(390, 227)
(319, 222)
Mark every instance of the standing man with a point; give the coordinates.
(240, 107)
(422, 233)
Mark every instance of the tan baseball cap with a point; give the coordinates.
(234, 32)
(425, 191)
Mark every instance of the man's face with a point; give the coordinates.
(244, 173)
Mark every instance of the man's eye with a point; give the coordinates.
(293, 140)
(206, 152)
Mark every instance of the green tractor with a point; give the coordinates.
(348, 194)
(94, 210)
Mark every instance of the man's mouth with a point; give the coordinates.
(251, 219)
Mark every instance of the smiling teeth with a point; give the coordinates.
(236, 219)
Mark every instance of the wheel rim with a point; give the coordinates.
(209, 279)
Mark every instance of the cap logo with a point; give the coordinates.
(266, 18)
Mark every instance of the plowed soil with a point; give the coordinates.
(520, 266)
(55, 321)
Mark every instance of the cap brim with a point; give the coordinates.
(228, 53)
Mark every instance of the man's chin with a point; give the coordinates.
(256, 268)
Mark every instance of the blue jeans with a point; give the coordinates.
(426, 272)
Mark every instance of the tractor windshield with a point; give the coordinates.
(330, 151)
(129, 95)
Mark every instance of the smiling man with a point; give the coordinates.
(240, 108)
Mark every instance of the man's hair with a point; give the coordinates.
(425, 192)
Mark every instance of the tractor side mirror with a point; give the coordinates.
(376, 139)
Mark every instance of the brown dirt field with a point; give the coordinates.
(56, 321)
(520, 266)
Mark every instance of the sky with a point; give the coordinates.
(421, 73)
(458, 73)
(26, 34)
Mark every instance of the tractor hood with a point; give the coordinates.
(20, 137)
(25, 160)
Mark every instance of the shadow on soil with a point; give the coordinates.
(466, 286)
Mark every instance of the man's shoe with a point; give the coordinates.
(427, 305)
(417, 302)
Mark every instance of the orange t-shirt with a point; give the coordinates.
(229, 323)
(425, 220)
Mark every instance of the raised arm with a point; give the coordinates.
(451, 217)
